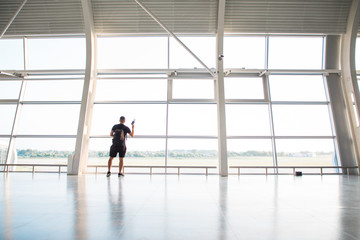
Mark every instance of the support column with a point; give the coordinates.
(220, 92)
(348, 71)
(339, 112)
(79, 160)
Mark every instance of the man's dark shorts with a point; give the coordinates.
(114, 149)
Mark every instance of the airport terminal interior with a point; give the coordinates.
(244, 116)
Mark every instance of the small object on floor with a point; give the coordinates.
(108, 174)
(121, 175)
(298, 174)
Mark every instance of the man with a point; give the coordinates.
(119, 132)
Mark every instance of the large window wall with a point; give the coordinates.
(277, 110)
(40, 109)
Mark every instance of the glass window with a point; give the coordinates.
(12, 54)
(203, 47)
(10, 89)
(305, 152)
(140, 152)
(44, 150)
(54, 90)
(4, 144)
(244, 88)
(249, 152)
(132, 52)
(192, 119)
(7, 118)
(150, 118)
(49, 119)
(301, 120)
(297, 88)
(244, 52)
(57, 53)
(193, 89)
(295, 52)
(247, 120)
(192, 152)
(131, 90)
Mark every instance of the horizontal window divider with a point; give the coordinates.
(300, 103)
(246, 101)
(4, 136)
(167, 71)
(51, 72)
(54, 79)
(186, 101)
(130, 102)
(249, 137)
(8, 101)
(305, 137)
(241, 71)
(43, 136)
(191, 137)
(160, 136)
(49, 102)
(132, 78)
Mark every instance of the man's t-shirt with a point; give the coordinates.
(120, 127)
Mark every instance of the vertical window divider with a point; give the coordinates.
(11, 146)
(268, 99)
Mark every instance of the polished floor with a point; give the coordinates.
(53, 206)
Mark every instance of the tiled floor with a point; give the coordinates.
(53, 206)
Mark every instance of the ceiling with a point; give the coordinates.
(39, 17)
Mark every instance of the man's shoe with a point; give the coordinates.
(108, 174)
(121, 175)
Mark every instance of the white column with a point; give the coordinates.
(220, 92)
(79, 161)
(348, 71)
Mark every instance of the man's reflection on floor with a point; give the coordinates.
(117, 209)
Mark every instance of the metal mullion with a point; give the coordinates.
(246, 101)
(11, 146)
(43, 136)
(304, 137)
(299, 103)
(130, 102)
(249, 137)
(8, 101)
(49, 102)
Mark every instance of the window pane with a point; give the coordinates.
(193, 89)
(244, 52)
(300, 120)
(250, 152)
(305, 152)
(140, 152)
(12, 54)
(192, 119)
(150, 118)
(44, 150)
(4, 144)
(247, 120)
(7, 118)
(244, 88)
(68, 90)
(132, 52)
(192, 152)
(131, 90)
(57, 53)
(49, 119)
(297, 88)
(10, 89)
(295, 52)
(202, 47)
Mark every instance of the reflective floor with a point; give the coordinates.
(53, 206)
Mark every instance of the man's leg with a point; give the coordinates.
(109, 165)
(121, 165)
